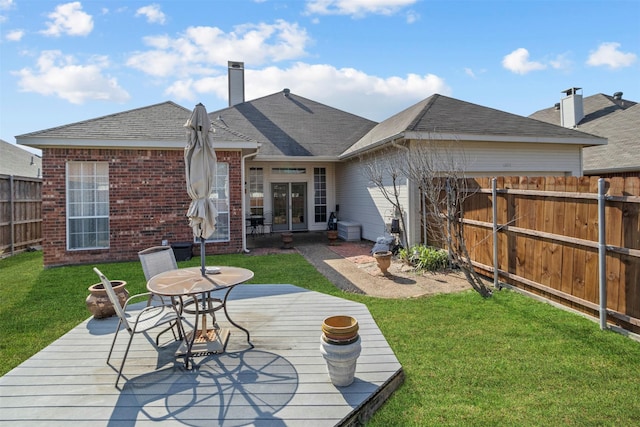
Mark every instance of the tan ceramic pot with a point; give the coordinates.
(383, 258)
(98, 302)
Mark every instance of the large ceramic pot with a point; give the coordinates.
(98, 301)
(333, 236)
(341, 361)
(383, 258)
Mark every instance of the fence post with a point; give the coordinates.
(12, 219)
(494, 195)
(602, 254)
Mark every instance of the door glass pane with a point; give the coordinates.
(280, 202)
(297, 203)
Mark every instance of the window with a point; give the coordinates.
(320, 194)
(289, 171)
(87, 205)
(256, 191)
(220, 196)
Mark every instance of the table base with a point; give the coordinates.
(213, 342)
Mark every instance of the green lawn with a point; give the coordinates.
(507, 360)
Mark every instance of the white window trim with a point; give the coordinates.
(69, 218)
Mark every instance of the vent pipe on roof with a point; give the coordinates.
(556, 106)
(617, 96)
(286, 92)
(571, 108)
(236, 83)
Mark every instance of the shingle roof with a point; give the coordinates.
(618, 120)
(159, 123)
(438, 115)
(290, 125)
(18, 161)
(162, 122)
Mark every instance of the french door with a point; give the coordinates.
(289, 206)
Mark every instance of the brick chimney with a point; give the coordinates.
(236, 83)
(571, 108)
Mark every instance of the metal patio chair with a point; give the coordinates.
(268, 222)
(157, 259)
(146, 319)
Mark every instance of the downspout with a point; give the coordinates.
(244, 200)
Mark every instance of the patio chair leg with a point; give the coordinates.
(113, 343)
(124, 358)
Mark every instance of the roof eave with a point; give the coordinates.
(42, 143)
(602, 171)
(373, 146)
(586, 141)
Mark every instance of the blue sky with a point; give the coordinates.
(63, 62)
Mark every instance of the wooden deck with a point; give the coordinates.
(282, 381)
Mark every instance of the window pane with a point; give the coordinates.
(87, 205)
(220, 196)
(320, 193)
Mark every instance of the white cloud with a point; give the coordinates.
(199, 49)
(345, 88)
(15, 35)
(6, 4)
(153, 13)
(561, 62)
(59, 75)
(469, 72)
(518, 62)
(69, 19)
(608, 54)
(356, 8)
(412, 17)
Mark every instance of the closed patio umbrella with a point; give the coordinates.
(200, 166)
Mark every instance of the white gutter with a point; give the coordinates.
(244, 199)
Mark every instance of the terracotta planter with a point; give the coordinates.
(287, 240)
(340, 326)
(333, 236)
(340, 330)
(383, 258)
(98, 302)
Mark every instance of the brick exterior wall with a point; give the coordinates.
(148, 202)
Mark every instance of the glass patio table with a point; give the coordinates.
(197, 296)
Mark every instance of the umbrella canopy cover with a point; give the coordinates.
(200, 166)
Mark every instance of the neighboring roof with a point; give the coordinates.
(155, 126)
(445, 118)
(18, 161)
(618, 120)
(289, 125)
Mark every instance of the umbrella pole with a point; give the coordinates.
(203, 333)
(202, 254)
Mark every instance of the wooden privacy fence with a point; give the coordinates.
(20, 213)
(547, 241)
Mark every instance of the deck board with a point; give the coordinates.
(282, 381)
